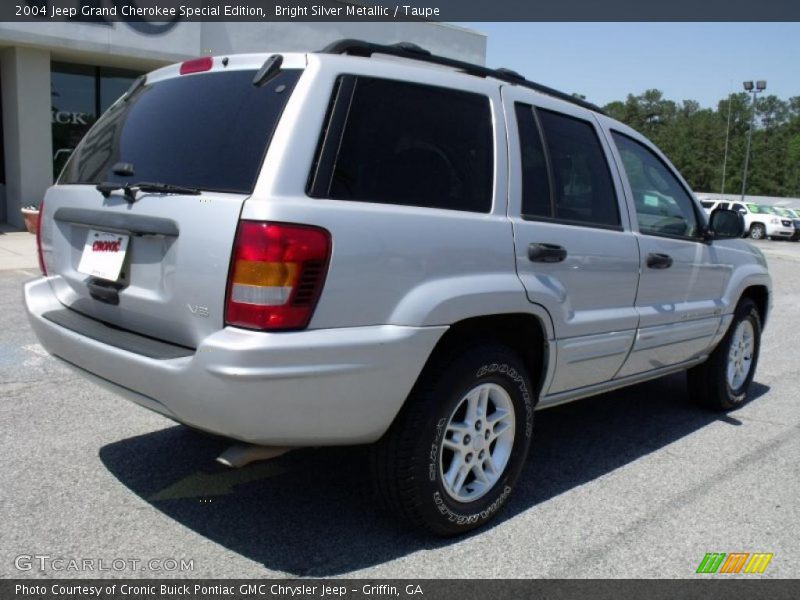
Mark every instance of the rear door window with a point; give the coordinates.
(582, 185)
(395, 142)
(208, 131)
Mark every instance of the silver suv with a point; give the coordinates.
(371, 244)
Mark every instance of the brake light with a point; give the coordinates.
(42, 268)
(276, 275)
(197, 65)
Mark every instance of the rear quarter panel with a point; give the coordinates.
(392, 264)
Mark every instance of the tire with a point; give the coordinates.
(415, 467)
(758, 231)
(717, 384)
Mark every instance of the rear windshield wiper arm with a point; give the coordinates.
(130, 189)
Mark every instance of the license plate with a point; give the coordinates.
(103, 254)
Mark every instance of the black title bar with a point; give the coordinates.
(167, 11)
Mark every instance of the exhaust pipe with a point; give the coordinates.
(240, 455)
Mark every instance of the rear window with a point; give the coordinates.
(208, 131)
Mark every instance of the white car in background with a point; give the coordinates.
(793, 215)
(760, 221)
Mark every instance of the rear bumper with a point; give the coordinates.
(318, 387)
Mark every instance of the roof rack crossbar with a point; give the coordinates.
(411, 51)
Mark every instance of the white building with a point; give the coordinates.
(57, 77)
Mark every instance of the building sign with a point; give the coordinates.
(63, 117)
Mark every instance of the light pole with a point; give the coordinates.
(760, 86)
(727, 137)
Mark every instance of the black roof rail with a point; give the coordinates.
(411, 51)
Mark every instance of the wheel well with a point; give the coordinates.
(522, 333)
(759, 295)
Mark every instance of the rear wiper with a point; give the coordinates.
(131, 189)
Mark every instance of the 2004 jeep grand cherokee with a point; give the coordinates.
(371, 244)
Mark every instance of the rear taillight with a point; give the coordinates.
(42, 268)
(197, 65)
(276, 275)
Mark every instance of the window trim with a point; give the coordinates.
(700, 221)
(547, 164)
(557, 221)
(320, 176)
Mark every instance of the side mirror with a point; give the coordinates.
(724, 224)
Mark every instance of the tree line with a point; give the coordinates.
(694, 140)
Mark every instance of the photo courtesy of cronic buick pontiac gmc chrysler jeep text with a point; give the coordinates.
(375, 245)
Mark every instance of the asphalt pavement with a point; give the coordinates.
(635, 483)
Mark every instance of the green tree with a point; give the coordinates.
(694, 139)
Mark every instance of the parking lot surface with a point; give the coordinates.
(635, 483)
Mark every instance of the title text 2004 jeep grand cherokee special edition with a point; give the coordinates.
(339, 248)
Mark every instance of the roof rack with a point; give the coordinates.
(411, 51)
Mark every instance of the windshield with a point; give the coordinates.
(759, 209)
(785, 212)
(207, 131)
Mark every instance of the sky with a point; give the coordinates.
(687, 61)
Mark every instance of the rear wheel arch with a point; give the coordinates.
(523, 334)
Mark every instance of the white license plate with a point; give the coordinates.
(103, 254)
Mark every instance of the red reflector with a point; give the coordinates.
(197, 65)
(42, 268)
(276, 275)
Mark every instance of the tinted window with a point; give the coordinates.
(208, 131)
(663, 206)
(738, 207)
(707, 204)
(584, 191)
(535, 178)
(415, 145)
